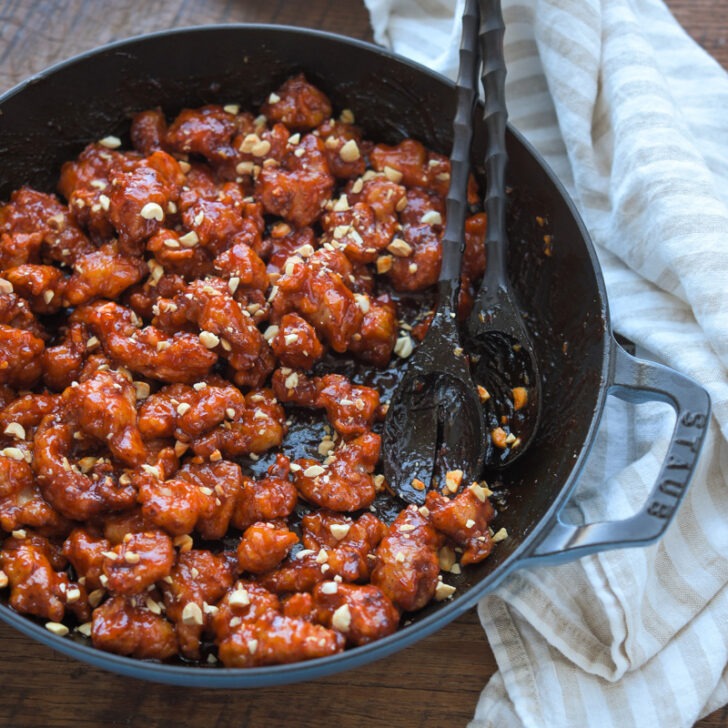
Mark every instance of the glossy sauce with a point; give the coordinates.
(199, 337)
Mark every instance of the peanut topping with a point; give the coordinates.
(239, 598)
(341, 618)
(384, 264)
(192, 614)
(431, 217)
(480, 492)
(110, 142)
(339, 530)
(500, 535)
(444, 591)
(152, 211)
(189, 240)
(400, 248)
(393, 175)
(14, 453)
(209, 340)
(349, 152)
(404, 346)
(16, 430)
(57, 628)
(453, 479)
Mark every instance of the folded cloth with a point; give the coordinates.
(630, 114)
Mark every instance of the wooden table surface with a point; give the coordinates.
(434, 683)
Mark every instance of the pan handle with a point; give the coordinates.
(635, 380)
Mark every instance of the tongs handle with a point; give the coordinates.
(435, 418)
(492, 32)
(466, 88)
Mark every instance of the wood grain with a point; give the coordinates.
(434, 683)
(35, 34)
(706, 21)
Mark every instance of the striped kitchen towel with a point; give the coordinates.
(631, 115)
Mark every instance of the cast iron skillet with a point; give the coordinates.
(49, 119)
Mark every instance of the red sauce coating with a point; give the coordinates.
(161, 317)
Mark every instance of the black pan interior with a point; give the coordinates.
(52, 117)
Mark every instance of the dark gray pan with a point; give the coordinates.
(49, 118)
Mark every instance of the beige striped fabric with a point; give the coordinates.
(633, 117)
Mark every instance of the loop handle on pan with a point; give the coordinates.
(635, 380)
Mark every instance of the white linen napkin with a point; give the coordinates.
(631, 115)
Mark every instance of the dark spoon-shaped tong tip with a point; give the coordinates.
(504, 361)
(435, 420)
